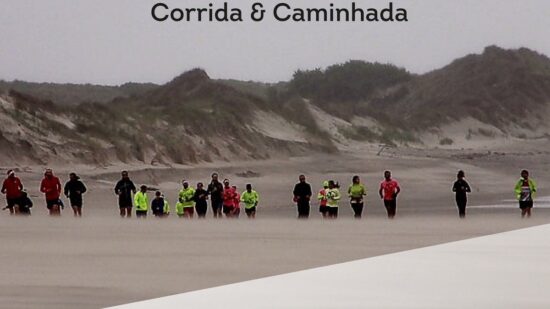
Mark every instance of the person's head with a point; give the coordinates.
(387, 175)
(24, 193)
(461, 175)
(226, 183)
(48, 173)
(143, 189)
(185, 184)
(525, 174)
(200, 185)
(248, 187)
(73, 176)
(356, 179)
(302, 178)
(331, 184)
(215, 177)
(158, 194)
(325, 184)
(125, 175)
(234, 187)
(11, 174)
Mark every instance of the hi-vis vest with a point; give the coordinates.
(141, 201)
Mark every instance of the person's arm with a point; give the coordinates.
(468, 189)
(364, 190)
(533, 188)
(58, 186)
(309, 193)
(117, 188)
(133, 187)
(19, 184)
(381, 191)
(66, 190)
(337, 195)
(397, 190)
(4, 187)
(517, 190)
(257, 195)
(349, 191)
(42, 187)
(83, 188)
(455, 186)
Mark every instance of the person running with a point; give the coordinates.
(166, 207)
(12, 187)
(356, 192)
(158, 204)
(74, 188)
(142, 202)
(333, 198)
(25, 204)
(186, 206)
(461, 188)
(229, 195)
(200, 199)
(302, 195)
(236, 204)
(322, 197)
(51, 187)
(215, 190)
(389, 189)
(526, 189)
(124, 189)
(250, 198)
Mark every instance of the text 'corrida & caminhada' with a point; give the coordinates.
(283, 12)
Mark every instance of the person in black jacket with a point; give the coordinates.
(25, 204)
(124, 189)
(200, 198)
(461, 188)
(74, 189)
(157, 205)
(302, 195)
(215, 190)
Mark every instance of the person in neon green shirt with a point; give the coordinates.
(333, 198)
(185, 207)
(166, 207)
(526, 189)
(250, 198)
(142, 202)
(356, 192)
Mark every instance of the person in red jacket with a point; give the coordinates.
(229, 196)
(51, 187)
(237, 204)
(13, 189)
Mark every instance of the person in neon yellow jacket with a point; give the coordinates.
(185, 207)
(526, 189)
(166, 207)
(333, 198)
(142, 202)
(250, 198)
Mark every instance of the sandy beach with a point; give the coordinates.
(102, 260)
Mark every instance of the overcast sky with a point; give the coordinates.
(115, 41)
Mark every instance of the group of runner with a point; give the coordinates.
(226, 201)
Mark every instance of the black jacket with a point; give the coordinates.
(124, 189)
(302, 191)
(72, 187)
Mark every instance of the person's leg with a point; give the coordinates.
(529, 212)
(75, 210)
(394, 208)
(387, 204)
(79, 210)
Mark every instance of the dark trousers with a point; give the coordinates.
(303, 209)
(141, 213)
(391, 207)
(201, 209)
(461, 204)
(357, 209)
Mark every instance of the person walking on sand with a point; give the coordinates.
(229, 195)
(333, 198)
(51, 187)
(74, 189)
(157, 205)
(25, 204)
(526, 189)
(461, 189)
(124, 189)
(186, 201)
(12, 187)
(236, 204)
(200, 198)
(215, 190)
(250, 198)
(142, 202)
(389, 189)
(302, 196)
(322, 197)
(356, 192)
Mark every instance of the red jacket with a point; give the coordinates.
(229, 195)
(12, 187)
(51, 186)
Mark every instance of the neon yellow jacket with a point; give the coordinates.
(166, 207)
(250, 199)
(357, 191)
(185, 200)
(532, 186)
(142, 201)
(333, 196)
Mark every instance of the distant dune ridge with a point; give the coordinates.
(499, 94)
